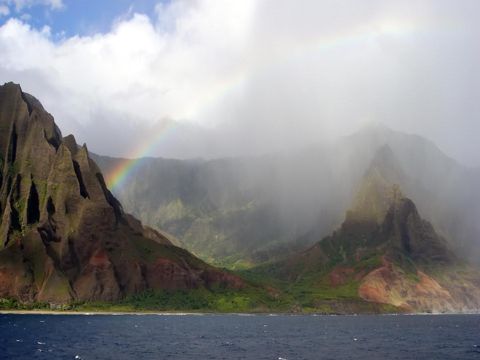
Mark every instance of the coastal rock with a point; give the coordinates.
(387, 251)
(64, 236)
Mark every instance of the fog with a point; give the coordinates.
(258, 208)
(213, 78)
(295, 97)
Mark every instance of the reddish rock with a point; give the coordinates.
(340, 275)
(64, 236)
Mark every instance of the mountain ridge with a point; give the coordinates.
(65, 237)
(391, 257)
(301, 195)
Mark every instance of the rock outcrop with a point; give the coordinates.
(63, 235)
(394, 255)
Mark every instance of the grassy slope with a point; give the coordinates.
(310, 293)
(309, 289)
(270, 288)
(251, 299)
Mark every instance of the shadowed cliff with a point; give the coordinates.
(64, 236)
(385, 253)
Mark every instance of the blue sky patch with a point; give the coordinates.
(77, 17)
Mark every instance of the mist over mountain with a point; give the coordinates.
(384, 252)
(253, 209)
(333, 228)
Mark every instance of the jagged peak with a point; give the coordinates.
(71, 143)
(379, 188)
(380, 202)
(416, 237)
(11, 95)
(10, 85)
(56, 213)
(31, 101)
(386, 163)
(10, 92)
(384, 153)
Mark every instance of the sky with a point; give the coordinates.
(209, 78)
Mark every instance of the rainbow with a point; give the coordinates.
(120, 172)
(230, 84)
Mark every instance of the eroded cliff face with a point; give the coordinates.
(386, 250)
(418, 271)
(63, 235)
(448, 290)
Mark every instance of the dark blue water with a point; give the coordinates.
(239, 337)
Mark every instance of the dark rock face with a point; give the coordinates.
(63, 235)
(417, 238)
(395, 256)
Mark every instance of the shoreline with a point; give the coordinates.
(186, 313)
(88, 313)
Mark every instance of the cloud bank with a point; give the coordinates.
(243, 77)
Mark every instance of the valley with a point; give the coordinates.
(357, 227)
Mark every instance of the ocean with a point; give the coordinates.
(273, 337)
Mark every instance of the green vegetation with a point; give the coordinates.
(311, 292)
(150, 251)
(308, 288)
(12, 304)
(251, 300)
(222, 302)
(197, 300)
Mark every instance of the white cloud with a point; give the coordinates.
(268, 74)
(138, 70)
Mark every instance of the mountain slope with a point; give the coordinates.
(383, 253)
(251, 210)
(64, 236)
(222, 210)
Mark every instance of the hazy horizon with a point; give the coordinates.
(321, 143)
